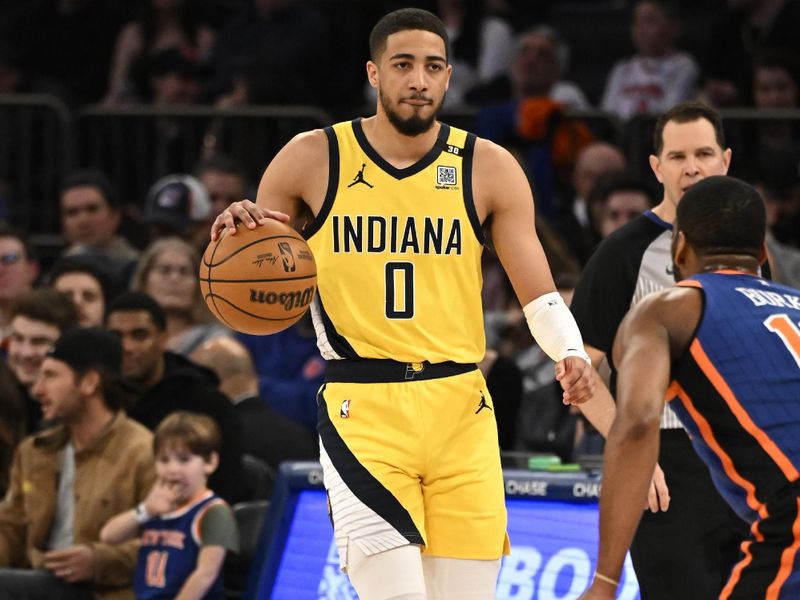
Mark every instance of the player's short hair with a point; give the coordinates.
(722, 215)
(406, 19)
(687, 112)
(47, 306)
(196, 433)
(138, 301)
(92, 178)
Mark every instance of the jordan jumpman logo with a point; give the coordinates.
(483, 404)
(359, 178)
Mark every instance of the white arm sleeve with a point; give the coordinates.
(554, 328)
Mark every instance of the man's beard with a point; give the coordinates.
(414, 125)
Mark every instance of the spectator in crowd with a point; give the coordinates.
(37, 319)
(747, 29)
(616, 199)
(12, 422)
(18, 271)
(86, 283)
(169, 271)
(178, 205)
(540, 63)
(250, 63)
(658, 75)
(225, 181)
(162, 25)
(90, 218)
(67, 481)
(482, 45)
(534, 124)
(776, 86)
(266, 434)
(290, 371)
(572, 222)
(779, 186)
(170, 79)
(186, 448)
(171, 382)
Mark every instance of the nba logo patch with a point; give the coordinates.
(446, 176)
(344, 412)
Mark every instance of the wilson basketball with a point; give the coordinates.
(260, 280)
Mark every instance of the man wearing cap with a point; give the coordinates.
(178, 205)
(67, 481)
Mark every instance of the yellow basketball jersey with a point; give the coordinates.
(398, 253)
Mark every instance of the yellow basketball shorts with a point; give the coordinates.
(410, 456)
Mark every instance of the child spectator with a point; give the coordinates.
(185, 528)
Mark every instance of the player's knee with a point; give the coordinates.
(391, 575)
(447, 578)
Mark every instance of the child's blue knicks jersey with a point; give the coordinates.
(170, 545)
(737, 389)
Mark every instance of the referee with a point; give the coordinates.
(688, 541)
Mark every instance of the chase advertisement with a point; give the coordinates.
(554, 546)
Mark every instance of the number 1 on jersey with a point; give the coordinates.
(787, 331)
(399, 290)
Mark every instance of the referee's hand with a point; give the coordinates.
(658, 496)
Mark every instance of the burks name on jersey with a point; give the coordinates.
(397, 235)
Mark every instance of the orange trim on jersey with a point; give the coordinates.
(784, 464)
(736, 574)
(689, 283)
(787, 560)
(725, 459)
(734, 272)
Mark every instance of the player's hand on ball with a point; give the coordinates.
(246, 212)
(577, 379)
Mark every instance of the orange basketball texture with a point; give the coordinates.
(259, 281)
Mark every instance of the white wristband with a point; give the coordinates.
(554, 328)
(140, 514)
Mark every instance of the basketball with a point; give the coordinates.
(259, 281)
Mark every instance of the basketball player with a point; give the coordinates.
(725, 345)
(399, 201)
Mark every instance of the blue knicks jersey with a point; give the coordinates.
(737, 389)
(170, 545)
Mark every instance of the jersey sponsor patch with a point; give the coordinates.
(446, 176)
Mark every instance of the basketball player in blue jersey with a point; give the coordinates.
(397, 204)
(724, 345)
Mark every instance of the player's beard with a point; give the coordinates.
(415, 124)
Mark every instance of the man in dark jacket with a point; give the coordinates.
(171, 382)
(267, 434)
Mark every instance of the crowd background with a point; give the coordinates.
(126, 127)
